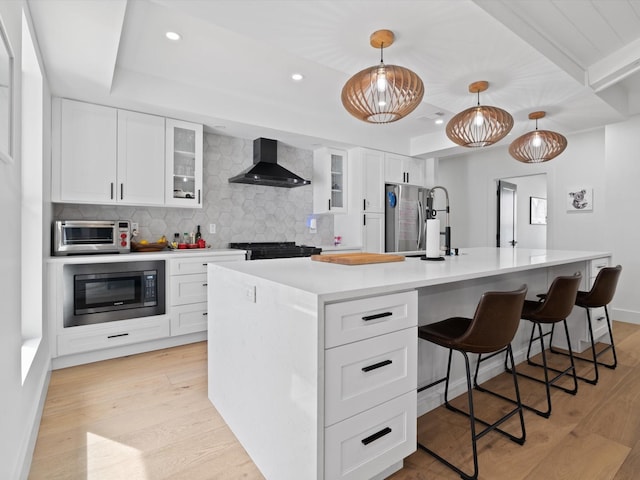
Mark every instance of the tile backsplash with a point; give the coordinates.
(241, 213)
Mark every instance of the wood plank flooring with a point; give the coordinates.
(147, 417)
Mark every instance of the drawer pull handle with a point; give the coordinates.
(376, 316)
(204, 264)
(376, 436)
(599, 319)
(118, 335)
(384, 363)
(204, 284)
(205, 314)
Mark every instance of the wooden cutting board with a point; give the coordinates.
(357, 258)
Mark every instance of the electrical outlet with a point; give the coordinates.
(212, 228)
(134, 227)
(250, 293)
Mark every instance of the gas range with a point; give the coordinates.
(263, 250)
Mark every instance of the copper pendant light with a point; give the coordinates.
(382, 93)
(539, 145)
(479, 126)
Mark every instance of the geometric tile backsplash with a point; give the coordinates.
(241, 213)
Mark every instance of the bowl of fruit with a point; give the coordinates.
(147, 246)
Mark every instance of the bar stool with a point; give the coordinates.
(600, 295)
(491, 329)
(553, 307)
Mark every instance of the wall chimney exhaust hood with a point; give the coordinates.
(265, 169)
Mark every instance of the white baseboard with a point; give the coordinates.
(627, 316)
(26, 454)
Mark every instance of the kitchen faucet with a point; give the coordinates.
(431, 213)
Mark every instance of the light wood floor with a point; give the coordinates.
(147, 417)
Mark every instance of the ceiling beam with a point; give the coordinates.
(503, 11)
(614, 67)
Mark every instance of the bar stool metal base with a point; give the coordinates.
(546, 368)
(594, 355)
(473, 419)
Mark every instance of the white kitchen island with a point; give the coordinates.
(314, 366)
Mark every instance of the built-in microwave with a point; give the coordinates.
(105, 292)
(81, 237)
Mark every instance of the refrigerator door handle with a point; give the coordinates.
(420, 224)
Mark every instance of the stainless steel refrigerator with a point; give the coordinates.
(405, 211)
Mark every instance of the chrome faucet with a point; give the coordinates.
(431, 213)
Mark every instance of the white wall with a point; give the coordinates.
(610, 170)
(622, 227)
(20, 404)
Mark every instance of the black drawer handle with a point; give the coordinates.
(599, 319)
(204, 284)
(376, 316)
(376, 436)
(118, 335)
(205, 314)
(384, 363)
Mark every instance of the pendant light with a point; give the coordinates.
(539, 145)
(479, 126)
(382, 93)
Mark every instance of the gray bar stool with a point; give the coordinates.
(491, 329)
(600, 295)
(553, 307)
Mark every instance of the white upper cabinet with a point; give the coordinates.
(372, 181)
(403, 169)
(140, 159)
(184, 164)
(329, 181)
(85, 161)
(104, 155)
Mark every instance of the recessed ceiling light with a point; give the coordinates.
(173, 36)
(297, 77)
(439, 121)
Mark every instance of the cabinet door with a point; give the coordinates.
(184, 164)
(140, 158)
(329, 181)
(373, 181)
(403, 169)
(415, 170)
(394, 168)
(373, 232)
(88, 135)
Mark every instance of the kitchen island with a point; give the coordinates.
(314, 366)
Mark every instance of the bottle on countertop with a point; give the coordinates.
(186, 238)
(198, 234)
(176, 240)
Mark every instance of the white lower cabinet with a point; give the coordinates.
(188, 292)
(106, 335)
(598, 316)
(370, 384)
(368, 443)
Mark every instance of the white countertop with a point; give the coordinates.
(334, 282)
(134, 256)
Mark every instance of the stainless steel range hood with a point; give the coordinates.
(265, 169)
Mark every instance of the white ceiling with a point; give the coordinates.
(576, 59)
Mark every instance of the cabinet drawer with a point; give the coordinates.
(597, 265)
(189, 318)
(598, 323)
(188, 289)
(85, 339)
(364, 445)
(368, 317)
(186, 266)
(364, 374)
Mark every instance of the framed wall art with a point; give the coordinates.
(580, 199)
(537, 211)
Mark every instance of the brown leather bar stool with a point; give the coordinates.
(600, 295)
(553, 307)
(491, 329)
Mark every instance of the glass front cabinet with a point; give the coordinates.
(184, 164)
(329, 181)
